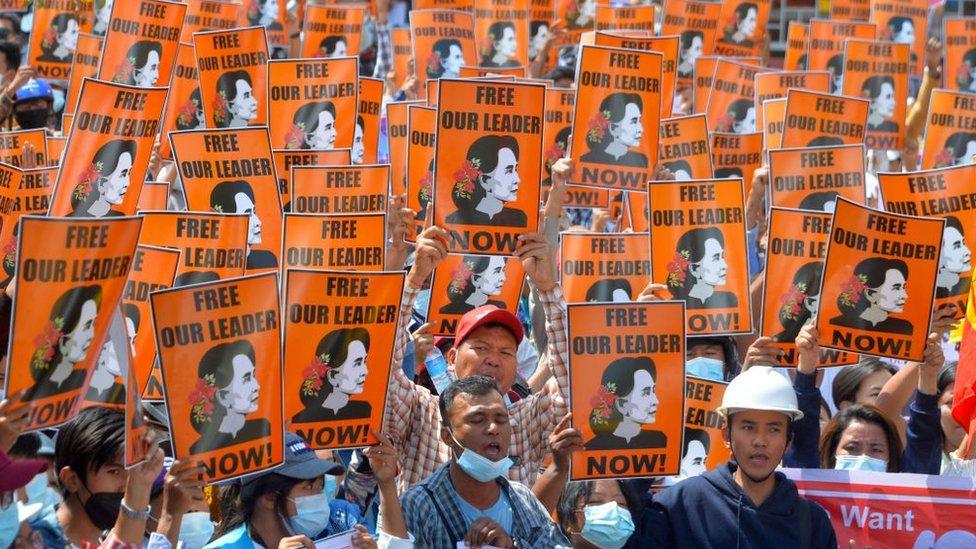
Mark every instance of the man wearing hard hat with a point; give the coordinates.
(745, 502)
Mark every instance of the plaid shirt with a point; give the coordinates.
(435, 520)
(384, 51)
(413, 417)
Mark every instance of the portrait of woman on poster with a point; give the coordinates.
(140, 67)
(538, 36)
(60, 40)
(680, 168)
(742, 26)
(835, 66)
(335, 374)
(690, 48)
(739, 117)
(103, 15)
(901, 30)
(955, 263)
(132, 318)
(694, 454)
(333, 46)
(486, 181)
(474, 281)
(581, 14)
(238, 197)
(313, 127)
(425, 188)
(236, 104)
(446, 59)
(875, 290)
(358, 147)
(825, 141)
(798, 306)
(959, 149)
(623, 404)
(105, 182)
(263, 13)
(881, 91)
(614, 129)
(191, 114)
(556, 151)
(225, 393)
(64, 342)
(823, 201)
(500, 45)
(106, 381)
(966, 73)
(698, 268)
(613, 290)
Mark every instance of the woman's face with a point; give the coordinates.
(693, 51)
(587, 8)
(351, 375)
(357, 145)
(712, 269)
(693, 462)
(871, 386)
(113, 187)
(891, 295)
(837, 81)
(906, 34)
(490, 281)
(956, 257)
(538, 41)
(340, 49)
(270, 9)
(74, 346)
(453, 61)
(241, 395)
(108, 361)
(506, 44)
(244, 105)
(146, 76)
(503, 183)
(324, 136)
(681, 175)
(968, 155)
(951, 430)
(748, 24)
(619, 295)
(641, 404)
(747, 124)
(861, 439)
(630, 129)
(69, 38)
(812, 303)
(884, 103)
(130, 329)
(244, 204)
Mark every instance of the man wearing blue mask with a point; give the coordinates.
(470, 498)
(711, 358)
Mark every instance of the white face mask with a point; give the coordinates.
(195, 530)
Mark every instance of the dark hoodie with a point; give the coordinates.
(711, 510)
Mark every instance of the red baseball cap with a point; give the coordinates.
(487, 314)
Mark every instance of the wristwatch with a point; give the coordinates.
(133, 514)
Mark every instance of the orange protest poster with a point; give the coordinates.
(354, 242)
(960, 53)
(577, 15)
(231, 171)
(85, 65)
(493, 73)
(731, 103)
(558, 124)
(420, 164)
(583, 197)
(153, 269)
(850, 10)
(212, 246)
(878, 72)
(32, 196)
(13, 144)
(796, 57)
(397, 124)
(136, 426)
(268, 15)
(464, 282)
(903, 22)
(668, 46)
(154, 388)
(640, 18)
(52, 46)
(340, 330)
(460, 5)
(704, 72)
(55, 149)
(312, 102)
(220, 355)
(604, 267)
(879, 282)
(617, 117)
(285, 159)
(774, 85)
(698, 249)
(184, 106)
(66, 120)
(736, 156)
(541, 16)
(946, 193)
(402, 55)
(703, 447)
(950, 130)
(70, 275)
(154, 196)
(140, 45)
(430, 88)
(366, 138)
(685, 147)
(796, 249)
(108, 150)
(627, 380)
(488, 163)
(501, 33)
(774, 113)
(233, 76)
(816, 119)
(15, 5)
(638, 217)
(696, 24)
(332, 31)
(826, 51)
(813, 178)
(339, 189)
(205, 15)
(443, 41)
(741, 27)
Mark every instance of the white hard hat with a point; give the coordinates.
(760, 388)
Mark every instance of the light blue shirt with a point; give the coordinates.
(500, 512)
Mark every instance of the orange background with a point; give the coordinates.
(733, 150)
(160, 229)
(154, 196)
(625, 18)
(596, 253)
(453, 24)
(402, 52)
(827, 39)
(32, 196)
(727, 18)
(396, 123)
(370, 108)
(169, 19)
(802, 103)
(288, 73)
(13, 143)
(797, 45)
(718, 453)
(422, 126)
(859, 51)
(960, 37)
(310, 185)
(687, 129)
(445, 323)
(487, 12)
(740, 75)
(285, 159)
(789, 163)
(774, 111)
(179, 101)
(43, 17)
(668, 46)
(773, 85)
(85, 64)
(198, 19)
(358, 231)
(332, 20)
(153, 268)
(850, 9)
(917, 11)
(947, 115)
(253, 40)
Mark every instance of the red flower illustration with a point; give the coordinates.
(488, 48)
(426, 186)
(725, 123)
(221, 109)
(253, 10)
(790, 304)
(599, 124)
(50, 38)
(964, 76)
(852, 290)
(678, 268)
(314, 375)
(944, 159)
(602, 402)
(554, 153)
(465, 176)
(86, 181)
(188, 111)
(460, 277)
(201, 398)
(10, 253)
(123, 73)
(434, 65)
(732, 26)
(46, 342)
(295, 136)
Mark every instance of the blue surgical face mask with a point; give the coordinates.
(708, 368)
(608, 525)
(311, 515)
(481, 468)
(860, 463)
(9, 525)
(39, 490)
(329, 488)
(195, 530)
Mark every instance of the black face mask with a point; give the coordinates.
(31, 119)
(103, 508)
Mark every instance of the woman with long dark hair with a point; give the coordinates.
(500, 46)
(956, 261)
(336, 373)
(60, 40)
(140, 67)
(740, 29)
(875, 290)
(236, 105)
(191, 113)
(690, 48)
(698, 267)
(488, 179)
(881, 91)
(106, 181)
(801, 301)
(446, 59)
(313, 127)
(475, 280)
(616, 128)
(333, 46)
(740, 117)
(238, 197)
(959, 149)
(623, 404)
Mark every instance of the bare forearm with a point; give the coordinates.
(393, 522)
(549, 486)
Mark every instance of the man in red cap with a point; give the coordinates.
(486, 343)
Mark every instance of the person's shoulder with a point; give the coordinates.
(238, 537)
(678, 494)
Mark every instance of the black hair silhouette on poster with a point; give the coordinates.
(875, 291)
(625, 402)
(336, 374)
